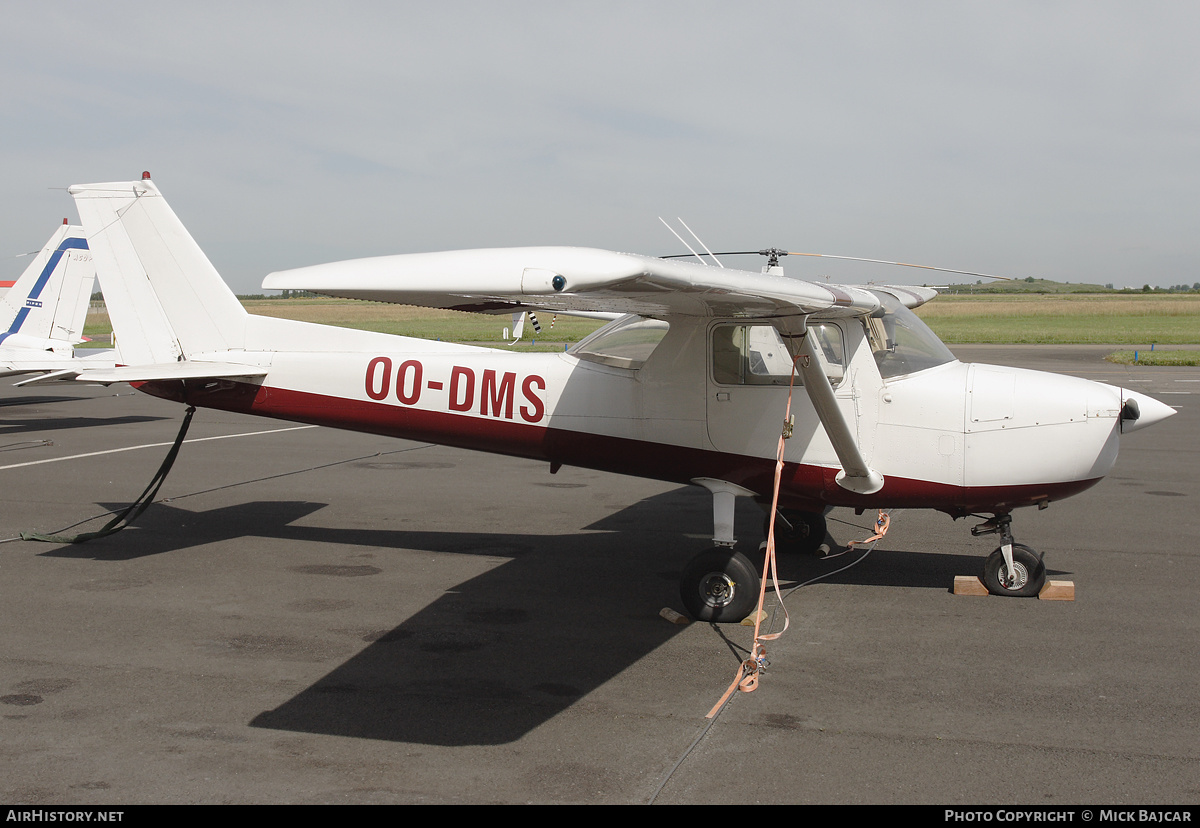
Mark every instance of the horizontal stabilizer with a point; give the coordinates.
(189, 370)
(61, 369)
(53, 376)
(15, 361)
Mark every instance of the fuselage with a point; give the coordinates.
(690, 398)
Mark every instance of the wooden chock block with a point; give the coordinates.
(1058, 591)
(754, 617)
(674, 617)
(968, 585)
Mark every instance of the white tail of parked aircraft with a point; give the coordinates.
(42, 316)
(690, 385)
(175, 318)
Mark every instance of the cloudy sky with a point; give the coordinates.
(1047, 139)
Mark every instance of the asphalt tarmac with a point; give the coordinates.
(314, 616)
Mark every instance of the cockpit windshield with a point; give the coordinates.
(900, 342)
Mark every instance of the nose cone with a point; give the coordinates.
(1059, 433)
(1139, 411)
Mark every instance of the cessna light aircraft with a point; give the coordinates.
(42, 315)
(690, 385)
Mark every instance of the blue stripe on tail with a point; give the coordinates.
(67, 244)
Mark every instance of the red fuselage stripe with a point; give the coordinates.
(803, 486)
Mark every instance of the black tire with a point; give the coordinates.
(719, 585)
(796, 533)
(1031, 573)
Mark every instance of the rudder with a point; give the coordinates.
(165, 299)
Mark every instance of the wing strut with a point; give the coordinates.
(855, 476)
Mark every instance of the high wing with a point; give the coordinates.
(565, 279)
(568, 279)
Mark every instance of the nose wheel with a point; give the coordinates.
(1013, 569)
(1028, 574)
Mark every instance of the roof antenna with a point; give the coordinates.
(685, 244)
(697, 238)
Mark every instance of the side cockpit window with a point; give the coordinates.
(761, 354)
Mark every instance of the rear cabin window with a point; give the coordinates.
(624, 343)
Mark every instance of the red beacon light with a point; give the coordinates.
(146, 175)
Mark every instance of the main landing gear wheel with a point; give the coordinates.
(1030, 573)
(800, 533)
(719, 585)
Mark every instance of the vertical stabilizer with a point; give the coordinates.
(50, 300)
(165, 299)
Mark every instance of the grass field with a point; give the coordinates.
(403, 320)
(1066, 319)
(1159, 356)
(420, 322)
(1133, 321)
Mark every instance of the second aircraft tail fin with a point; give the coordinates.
(48, 304)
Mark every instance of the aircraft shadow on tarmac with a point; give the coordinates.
(41, 400)
(10, 425)
(504, 652)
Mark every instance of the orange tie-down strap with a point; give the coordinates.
(746, 679)
(881, 526)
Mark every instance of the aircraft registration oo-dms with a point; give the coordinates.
(689, 385)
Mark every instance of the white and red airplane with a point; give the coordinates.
(43, 313)
(690, 385)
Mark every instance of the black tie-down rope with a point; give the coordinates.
(131, 512)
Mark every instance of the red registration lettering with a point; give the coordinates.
(462, 388)
(408, 397)
(490, 393)
(536, 408)
(379, 377)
